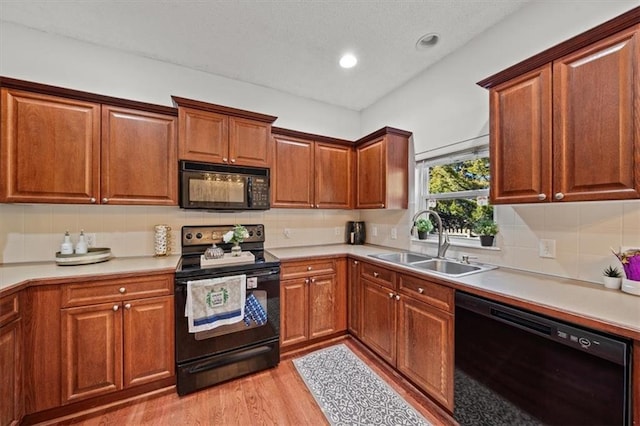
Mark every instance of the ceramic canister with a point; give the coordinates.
(162, 243)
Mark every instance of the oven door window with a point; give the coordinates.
(255, 315)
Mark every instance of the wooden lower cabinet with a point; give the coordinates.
(112, 346)
(354, 298)
(312, 300)
(379, 315)
(94, 341)
(409, 322)
(425, 348)
(11, 406)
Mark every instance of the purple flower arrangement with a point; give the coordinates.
(630, 260)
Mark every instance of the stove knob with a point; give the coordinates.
(199, 235)
(251, 233)
(259, 232)
(188, 236)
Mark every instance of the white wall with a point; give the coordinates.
(44, 58)
(444, 105)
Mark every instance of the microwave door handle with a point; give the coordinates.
(249, 192)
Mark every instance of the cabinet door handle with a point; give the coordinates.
(559, 196)
(420, 290)
(306, 280)
(115, 308)
(225, 159)
(355, 262)
(105, 200)
(233, 160)
(397, 297)
(390, 295)
(382, 205)
(313, 280)
(127, 306)
(542, 197)
(122, 290)
(375, 274)
(92, 200)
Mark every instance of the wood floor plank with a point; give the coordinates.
(277, 396)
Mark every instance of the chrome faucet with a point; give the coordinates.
(443, 238)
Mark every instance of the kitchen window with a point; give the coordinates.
(456, 185)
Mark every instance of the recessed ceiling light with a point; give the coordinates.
(427, 41)
(348, 61)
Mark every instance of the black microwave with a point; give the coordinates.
(221, 187)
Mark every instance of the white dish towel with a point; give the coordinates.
(214, 302)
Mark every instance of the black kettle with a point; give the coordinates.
(355, 232)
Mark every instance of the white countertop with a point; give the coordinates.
(15, 274)
(559, 295)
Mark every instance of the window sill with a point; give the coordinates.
(456, 243)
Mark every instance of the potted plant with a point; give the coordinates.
(612, 277)
(486, 229)
(236, 236)
(424, 226)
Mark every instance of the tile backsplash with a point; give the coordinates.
(583, 232)
(33, 232)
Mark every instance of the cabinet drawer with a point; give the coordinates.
(91, 293)
(378, 274)
(434, 294)
(9, 308)
(305, 269)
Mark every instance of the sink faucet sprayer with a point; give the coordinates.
(443, 243)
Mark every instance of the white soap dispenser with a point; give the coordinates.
(81, 247)
(67, 246)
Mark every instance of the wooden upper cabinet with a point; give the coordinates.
(521, 138)
(333, 176)
(382, 170)
(64, 146)
(596, 119)
(217, 134)
(139, 157)
(49, 148)
(293, 173)
(203, 135)
(565, 124)
(308, 173)
(249, 142)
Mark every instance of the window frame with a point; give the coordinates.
(426, 162)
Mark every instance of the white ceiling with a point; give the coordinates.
(289, 45)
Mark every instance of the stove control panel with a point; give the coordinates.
(207, 235)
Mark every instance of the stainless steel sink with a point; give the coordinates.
(429, 264)
(404, 257)
(446, 267)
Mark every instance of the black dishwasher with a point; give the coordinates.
(517, 367)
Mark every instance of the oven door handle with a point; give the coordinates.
(230, 359)
(264, 274)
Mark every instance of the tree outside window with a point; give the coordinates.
(457, 187)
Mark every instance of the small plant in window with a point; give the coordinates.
(424, 226)
(486, 229)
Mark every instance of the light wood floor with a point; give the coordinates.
(277, 396)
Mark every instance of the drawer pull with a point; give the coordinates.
(115, 308)
(420, 290)
(122, 290)
(309, 268)
(375, 274)
(127, 306)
